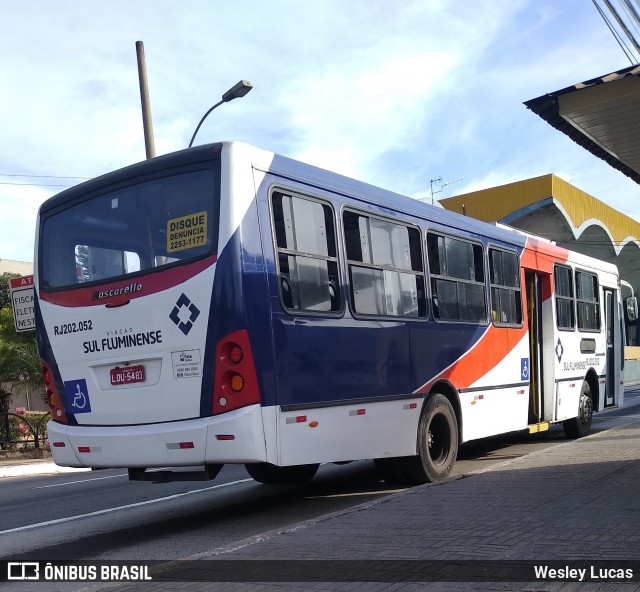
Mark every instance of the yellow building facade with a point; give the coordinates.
(549, 207)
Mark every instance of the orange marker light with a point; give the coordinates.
(237, 383)
(53, 399)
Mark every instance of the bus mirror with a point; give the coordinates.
(632, 308)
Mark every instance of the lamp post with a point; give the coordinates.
(235, 92)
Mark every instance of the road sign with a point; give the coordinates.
(22, 294)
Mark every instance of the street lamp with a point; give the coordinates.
(235, 92)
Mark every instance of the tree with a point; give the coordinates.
(8, 331)
(5, 293)
(19, 366)
(19, 359)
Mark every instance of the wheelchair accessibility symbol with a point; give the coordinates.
(77, 396)
(524, 368)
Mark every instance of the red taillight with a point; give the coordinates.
(235, 354)
(46, 373)
(53, 399)
(235, 384)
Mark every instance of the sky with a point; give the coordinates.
(397, 94)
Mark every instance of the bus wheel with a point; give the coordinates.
(578, 427)
(273, 475)
(437, 443)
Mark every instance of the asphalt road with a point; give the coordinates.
(102, 515)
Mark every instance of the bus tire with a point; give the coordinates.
(437, 443)
(578, 427)
(273, 475)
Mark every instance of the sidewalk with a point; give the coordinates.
(16, 467)
(575, 502)
(578, 501)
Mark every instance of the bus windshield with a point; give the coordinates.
(141, 227)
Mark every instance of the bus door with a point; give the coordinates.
(534, 282)
(613, 344)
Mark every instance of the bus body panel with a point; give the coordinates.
(182, 443)
(346, 432)
(140, 334)
(500, 396)
(350, 354)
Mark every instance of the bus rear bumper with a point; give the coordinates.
(235, 437)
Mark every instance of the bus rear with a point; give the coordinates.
(132, 341)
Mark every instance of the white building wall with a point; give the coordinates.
(11, 266)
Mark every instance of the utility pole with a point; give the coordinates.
(147, 124)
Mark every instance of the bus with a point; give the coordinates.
(223, 304)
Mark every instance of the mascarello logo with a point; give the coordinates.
(102, 294)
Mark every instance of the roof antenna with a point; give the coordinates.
(438, 180)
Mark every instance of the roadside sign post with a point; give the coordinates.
(22, 295)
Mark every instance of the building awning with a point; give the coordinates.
(601, 115)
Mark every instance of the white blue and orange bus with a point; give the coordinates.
(224, 304)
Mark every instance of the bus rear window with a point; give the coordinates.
(135, 229)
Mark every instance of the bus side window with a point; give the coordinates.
(565, 309)
(457, 279)
(506, 296)
(305, 237)
(385, 266)
(587, 301)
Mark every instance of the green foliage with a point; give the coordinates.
(5, 292)
(8, 331)
(19, 357)
(19, 367)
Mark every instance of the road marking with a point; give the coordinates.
(95, 479)
(357, 494)
(118, 508)
(81, 481)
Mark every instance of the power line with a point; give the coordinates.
(15, 176)
(37, 184)
(626, 19)
(40, 176)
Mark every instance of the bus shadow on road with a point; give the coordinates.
(508, 446)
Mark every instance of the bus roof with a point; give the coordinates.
(146, 167)
(313, 176)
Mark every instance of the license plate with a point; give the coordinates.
(127, 375)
